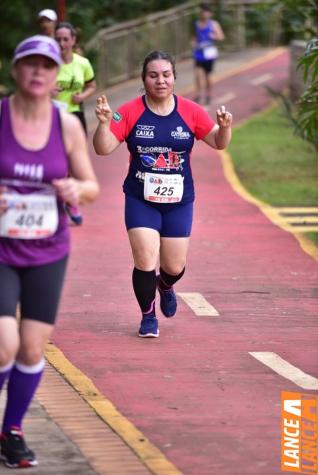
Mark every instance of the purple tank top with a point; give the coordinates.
(41, 166)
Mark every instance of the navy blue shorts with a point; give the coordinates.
(169, 219)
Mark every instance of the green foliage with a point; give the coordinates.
(313, 237)
(300, 19)
(19, 20)
(258, 24)
(307, 113)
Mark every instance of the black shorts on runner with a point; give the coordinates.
(81, 117)
(208, 66)
(37, 289)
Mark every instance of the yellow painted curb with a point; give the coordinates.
(231, 176)
(308, 246)
(151, 457)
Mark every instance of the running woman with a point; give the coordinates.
(44, 162)
(75, 83)
(159, 129)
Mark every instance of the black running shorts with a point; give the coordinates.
(37, 289)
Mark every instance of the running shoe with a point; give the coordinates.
(74, 214)
(168, 300)
(14, 450)
(149, 327)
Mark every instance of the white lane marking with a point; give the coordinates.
(285, 369)
(225, 98)
(260, 79)
(299, 219)
(297, 209)
(198, 304)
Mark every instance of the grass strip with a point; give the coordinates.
(275, 165)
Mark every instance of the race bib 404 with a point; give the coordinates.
(29, 216)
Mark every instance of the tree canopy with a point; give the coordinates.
(19, 19)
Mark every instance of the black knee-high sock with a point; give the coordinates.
(144, 283)
(166, 281)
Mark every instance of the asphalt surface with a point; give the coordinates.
(197, 395)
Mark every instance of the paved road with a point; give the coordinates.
(197, 392)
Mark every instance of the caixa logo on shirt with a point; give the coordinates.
(145, 131)
(180, 134)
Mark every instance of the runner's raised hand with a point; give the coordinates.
(224, 118)
(103, 110)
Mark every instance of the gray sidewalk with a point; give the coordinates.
(55, 451)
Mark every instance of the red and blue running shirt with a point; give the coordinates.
(160, 144)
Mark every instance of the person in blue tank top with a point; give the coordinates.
(207, 32)
(44, 163)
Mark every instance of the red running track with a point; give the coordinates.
(196, 392)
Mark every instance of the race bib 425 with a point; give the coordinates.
(160, 188)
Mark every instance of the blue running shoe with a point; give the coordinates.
(149, 327)
(168, 301)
